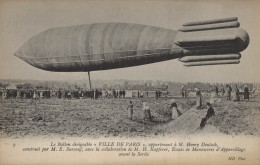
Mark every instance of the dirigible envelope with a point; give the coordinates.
(104, 46)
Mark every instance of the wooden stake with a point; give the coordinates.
(89, 80)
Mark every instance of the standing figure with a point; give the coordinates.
(216, 90)
(147, 112)
(59, 94)
(18, 94)
(41, 94)
(130, 109)
(199, 98)
(222, 91)
(114, 93)
(117, 94)
(241, 89)
(34, 94)
(156, 94)
(182, 91)
(141, 94)
(4, 95)
(185, 93)
(159, 94)
(175, 112)
(95, 94)
(123, 93)
(69, 95)
(228, 92)
(246, 93)
(48, 94)
(236, 95)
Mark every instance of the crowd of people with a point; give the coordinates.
(60, 93)
(72, 94)
(237, 92)
(222, 91)
(78, 93)
(226, 92)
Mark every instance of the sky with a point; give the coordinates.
(20, 20)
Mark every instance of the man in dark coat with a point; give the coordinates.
(246, 93)
(216, 90)
(210, 113)
(156, 94)
(236, 95)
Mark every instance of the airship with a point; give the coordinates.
(103, 46)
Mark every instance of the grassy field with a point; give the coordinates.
(108, 118)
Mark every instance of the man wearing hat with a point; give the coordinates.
(199, 98)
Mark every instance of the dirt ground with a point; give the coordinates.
(108, 118)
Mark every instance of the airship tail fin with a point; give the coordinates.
(211, 21)
(212, 42)
(196, 58)
(218, 62)
(189, 40)
(200, 60)
(210, 24)
(213, 26)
